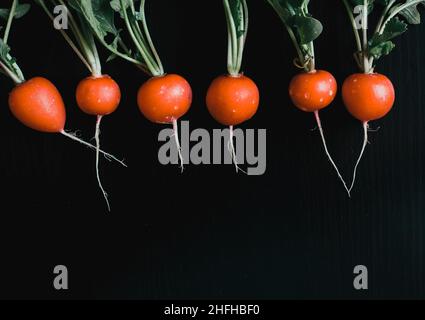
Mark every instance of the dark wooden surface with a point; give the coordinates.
(211, 233)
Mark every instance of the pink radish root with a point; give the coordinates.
(96, 137)
(231, 148)
(365, 129)
(108, 156)
(319, 125)
(176, 138)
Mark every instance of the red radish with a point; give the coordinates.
(164, 98)
(38, 105)
(234, 98)
(98, 94)
(312, 90)
(367, 97)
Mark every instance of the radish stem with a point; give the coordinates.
(96, 137)
(9, 21)
(176, 138)
(365, 128)
(319, 124)
(107, 155)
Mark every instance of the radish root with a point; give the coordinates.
(319, 125)
(108, 156)
(176, 138)
(96, 137)
(231, 148)
(365, 129)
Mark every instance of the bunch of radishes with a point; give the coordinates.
(232, 98)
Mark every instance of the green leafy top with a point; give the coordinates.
(302, 28)
(100, 15)
(394, 20)
(8, 65)
(80, 37)
(237, 28)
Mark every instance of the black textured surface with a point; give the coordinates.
(211, 233)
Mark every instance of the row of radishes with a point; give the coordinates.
(232, 98)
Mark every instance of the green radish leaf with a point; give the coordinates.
(308, 29)
(380, 44)
(20, 11)
(294, 14)
(411, 13)
(381, 49)
(4, 50)
(116, 6)
(393, 28)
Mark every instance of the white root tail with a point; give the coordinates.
(176, 138)
(97, 138)
(231, 148)
(319, 125)
(108, 156)
(365, 129)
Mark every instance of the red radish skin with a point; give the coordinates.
(367, 97)
(164, 99)
(313, 91)
(38, 105)
(232, 100)
(99, 96)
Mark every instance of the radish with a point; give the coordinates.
(368, 95)
(234, 98)
(311, 90)
(36, 102)
(164, 98)
(98, 94)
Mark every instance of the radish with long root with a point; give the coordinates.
(164, 98)
(369, 95)
(234, 98)
(311, 90)
(98, 94)
(36, 102)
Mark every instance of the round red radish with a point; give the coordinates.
(312, 91)
(232, 100)
(98, 95)
(164, 99)
(38, 105)
(368, 96)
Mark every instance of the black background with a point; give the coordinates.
(209, 232)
